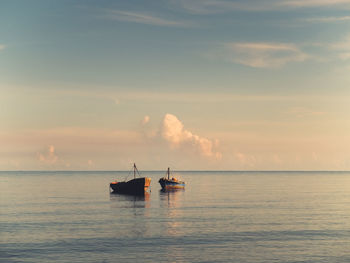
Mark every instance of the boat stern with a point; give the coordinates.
(147, 183)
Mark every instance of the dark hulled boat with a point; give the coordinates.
(169, 184)
(136, 186)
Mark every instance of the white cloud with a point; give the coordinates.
(143, 18)
(50, 157)
(174, 133)
(145, 120)
(264, 55)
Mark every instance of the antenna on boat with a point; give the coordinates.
(168, 173)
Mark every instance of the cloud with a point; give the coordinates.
(276, 159)
(174, 133)
(264, 55)
(245, 159)
(2, 47)
(217, 6)
(91, 163)
(50, 157)
(222, 6)
(142, 18)
(330, 19)
(342, 45)
(344, 55)
(329, 51)
(145, 120)
(342, 48)
(314, 3)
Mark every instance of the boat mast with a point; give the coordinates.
(134, 170)
(168, 173)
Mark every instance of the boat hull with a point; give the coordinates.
(167, 184)
(135, 186)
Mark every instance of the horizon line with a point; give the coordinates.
(1, 171)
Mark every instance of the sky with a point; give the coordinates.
(191, 85)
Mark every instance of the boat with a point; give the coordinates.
(136, 186)
(169, 184)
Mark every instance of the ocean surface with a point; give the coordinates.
(219, 217)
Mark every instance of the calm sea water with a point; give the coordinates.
(220, 217)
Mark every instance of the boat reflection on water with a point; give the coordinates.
(171, 204)
(129, 200)
(130, 215)
(171, 196)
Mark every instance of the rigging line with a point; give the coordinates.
(137, 171)
(128, 174)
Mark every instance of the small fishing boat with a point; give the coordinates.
(173, 183)
(136, 186)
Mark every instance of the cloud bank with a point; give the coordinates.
(177, 136)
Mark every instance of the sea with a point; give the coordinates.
(220, 217)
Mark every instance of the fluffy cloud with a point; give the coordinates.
(145, 120)
(50, 157)
(177, 136)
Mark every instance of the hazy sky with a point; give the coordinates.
(192, 84)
